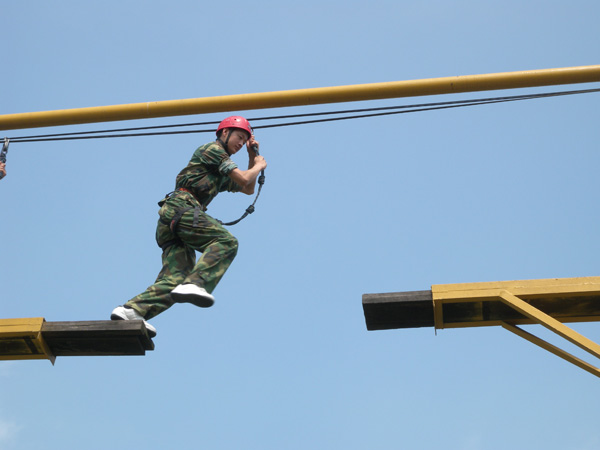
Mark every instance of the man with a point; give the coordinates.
(2, 169)
(184, 227)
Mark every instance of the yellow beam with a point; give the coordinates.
(491, 291)
(19, 327)
(337, 94)
(550, 287)
(22, 339)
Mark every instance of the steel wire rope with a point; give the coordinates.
(390, 111)
(254, 119)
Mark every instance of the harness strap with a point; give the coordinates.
(177, 217)
(174, 223)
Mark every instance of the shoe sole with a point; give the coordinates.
(194, 299)
(117, 317)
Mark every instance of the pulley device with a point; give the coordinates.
(250, 209)
(3, 154)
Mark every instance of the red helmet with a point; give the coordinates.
(235, 122)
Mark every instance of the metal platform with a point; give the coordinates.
(34, 338)
(548, 302)
(479, 304)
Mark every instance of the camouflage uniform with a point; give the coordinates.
(205, 176)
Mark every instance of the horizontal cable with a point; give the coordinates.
(374, 112)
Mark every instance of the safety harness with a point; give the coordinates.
(174, 222)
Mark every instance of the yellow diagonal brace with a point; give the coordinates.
(552, 349)
(550, 323)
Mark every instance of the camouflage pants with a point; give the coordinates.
(197, 231)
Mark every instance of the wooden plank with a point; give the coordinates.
(411, 309)
(97, 338)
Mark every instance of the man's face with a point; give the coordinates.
(237, 139)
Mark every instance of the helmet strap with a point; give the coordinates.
(224, 144)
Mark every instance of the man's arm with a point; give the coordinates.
(247, 178)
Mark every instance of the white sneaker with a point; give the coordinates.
(190, 293)
(123, 313)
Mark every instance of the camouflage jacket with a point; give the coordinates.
(207, 173)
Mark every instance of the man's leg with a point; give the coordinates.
(178, 260)
(218, 246)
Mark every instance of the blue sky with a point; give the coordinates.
(284, 360)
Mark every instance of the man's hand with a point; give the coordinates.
(251, 143)
(246, 179)
(259, 162)
(255, 160)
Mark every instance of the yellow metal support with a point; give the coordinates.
(491, 291)
(552, 349)
(22, 339)
(550, 323)
(514, 295)
(337, 94)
